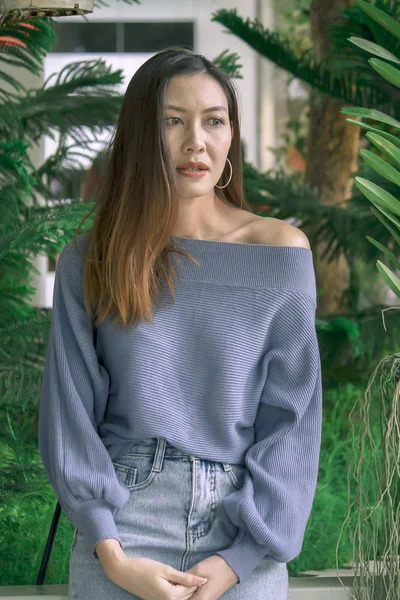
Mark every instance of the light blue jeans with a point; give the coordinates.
(173, 515)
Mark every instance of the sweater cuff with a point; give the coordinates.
(95, 519)
(244, 554)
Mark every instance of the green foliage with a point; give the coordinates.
(34, 38)
(229, 63)
(385, 202)
(81, 96)
(331, 498)
(375, 535)
(339, 80)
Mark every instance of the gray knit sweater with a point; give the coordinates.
(235, 377)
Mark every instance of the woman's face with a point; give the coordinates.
(196, 133)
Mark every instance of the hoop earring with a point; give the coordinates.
(223, 186)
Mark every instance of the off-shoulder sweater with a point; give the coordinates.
(229, 370)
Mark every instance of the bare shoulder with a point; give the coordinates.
(280, 233)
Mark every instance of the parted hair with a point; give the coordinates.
(135, 200)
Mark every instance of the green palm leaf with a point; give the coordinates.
(371, 113)
(379, 16)
(373, 48)
(385, 134)
(381, 166)
(388, 215)
(384, 222)
(385, 251)
(388, 72)
(384, 145)
(378, 196)
(390, 278)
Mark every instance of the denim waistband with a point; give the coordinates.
(159, 448)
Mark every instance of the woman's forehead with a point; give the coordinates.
(196, 94)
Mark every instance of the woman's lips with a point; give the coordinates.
(199, 173)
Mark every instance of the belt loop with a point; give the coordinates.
(227, 467)
(159, 454)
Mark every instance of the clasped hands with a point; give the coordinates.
(220, 577)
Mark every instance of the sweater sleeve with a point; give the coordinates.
(73, 400)
(272, 508)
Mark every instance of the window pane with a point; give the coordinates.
(153, 37)
(137, 36)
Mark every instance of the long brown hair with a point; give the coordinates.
(136, 209)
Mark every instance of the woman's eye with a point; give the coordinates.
(217, 119)
(212, 119)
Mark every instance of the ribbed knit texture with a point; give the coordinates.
(228, 371)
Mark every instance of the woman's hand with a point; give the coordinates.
(220, 577)
(152, 580)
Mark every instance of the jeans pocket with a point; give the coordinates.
(236, 474)
(135, 471)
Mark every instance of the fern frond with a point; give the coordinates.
(83, 95)
(23, 43)
(278, 49)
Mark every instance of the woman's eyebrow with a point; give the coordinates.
(211, 109)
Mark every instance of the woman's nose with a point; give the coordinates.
(195, 139)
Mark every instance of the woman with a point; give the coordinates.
(182, 435)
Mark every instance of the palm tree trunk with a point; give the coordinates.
(332, 152)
